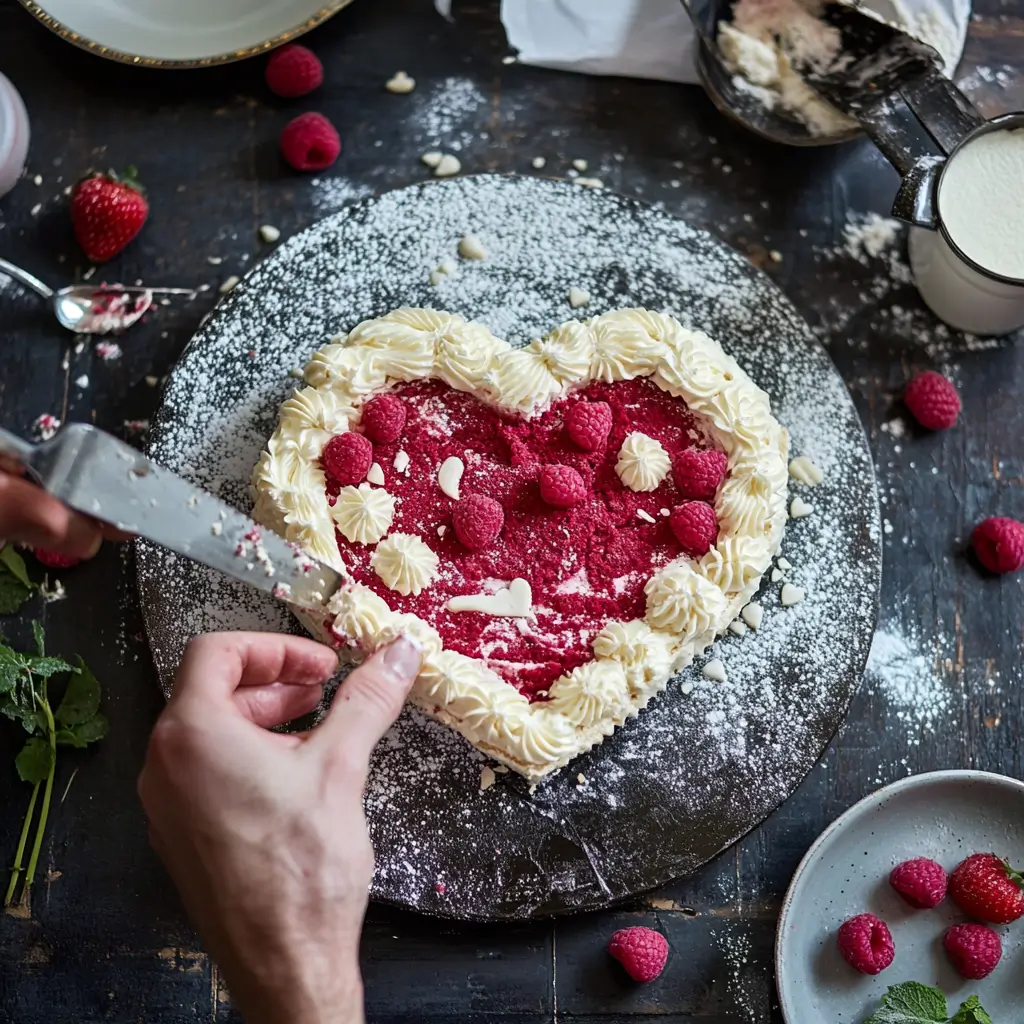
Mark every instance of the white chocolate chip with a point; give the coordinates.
(578, 297)
(686, 688)
(664, 512)
(776, 575)
(589, 182)
(738, 627)
(753, 615)
(447, 166)
(799, 508)
(514, 601)
(400, 82)
(791, 595)
(581, 779)
(401, 462)
(538, 162)
(450, 475)
(375, 475)
(471, 248)
(432, 159)
(580, 165)
(486, 778)
(715, 671)
(806, 472)
(783, 563)
(229, 284)
(269, 233)
(441, 530)
(645, 516)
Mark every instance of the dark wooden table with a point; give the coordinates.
(107, 940)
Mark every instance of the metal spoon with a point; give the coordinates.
(84, 308)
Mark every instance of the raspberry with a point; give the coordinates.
(561, 486)
(588, 424)
(294, 71)
(921, 882)
(54, 559)
(866, 944)
(698, 472)
(642, 951)
(477, 520)
(384, 418)
(346, 458)
(932, 400)
(310, 143)
(695, 527)
(999, 544)
(974, 949)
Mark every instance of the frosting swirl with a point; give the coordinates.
(683, 602)
(404, 563)
(643, 463)
(363, 514)
(645, 654)
(591, 694)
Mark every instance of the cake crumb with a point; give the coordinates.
(578, 297)
(400, 83)
(804, 471)
(447, 166)
(471, 248)
(753, 615)
(715, 671)
(798, 508)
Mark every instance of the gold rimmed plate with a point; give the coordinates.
(181, 33)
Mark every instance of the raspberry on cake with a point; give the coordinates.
(551, 595)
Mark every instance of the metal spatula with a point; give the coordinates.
(894, 86)
(102, 477)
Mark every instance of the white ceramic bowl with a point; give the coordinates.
(181, 33)
(14, 135)
(943, 815)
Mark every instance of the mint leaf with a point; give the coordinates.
(37, 633)
(971, 1012)
(89, 731)
(31, 720)
(911, 1003)
(35, 760)
(46, 667)
(11, 667)
(15, 565)
(81, 699)
(13, 593)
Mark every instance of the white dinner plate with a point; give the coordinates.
(942, 815)
(181, 33)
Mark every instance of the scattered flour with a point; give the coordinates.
(909, 679)
(331, 194)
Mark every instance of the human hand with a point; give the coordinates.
(28, 515)
(263, 832)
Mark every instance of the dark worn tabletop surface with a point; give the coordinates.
(106, 939)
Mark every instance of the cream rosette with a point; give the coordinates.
(689, 601)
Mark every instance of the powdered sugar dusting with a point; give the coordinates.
(698, 770)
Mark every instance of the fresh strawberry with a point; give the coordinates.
(107, 212)
(986, 888)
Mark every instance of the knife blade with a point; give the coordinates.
(103, 477)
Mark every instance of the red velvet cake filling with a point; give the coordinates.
(585, 564)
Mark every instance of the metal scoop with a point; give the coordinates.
(893, 85)
(92, 309)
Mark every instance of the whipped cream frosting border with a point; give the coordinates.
(689, 602)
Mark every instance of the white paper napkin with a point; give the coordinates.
(654, 38)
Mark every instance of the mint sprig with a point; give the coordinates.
(914, 1003)
(24, 697)
(15, 586)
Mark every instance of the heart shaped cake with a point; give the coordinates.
(562, 526)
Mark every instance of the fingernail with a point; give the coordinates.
(404, 656)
